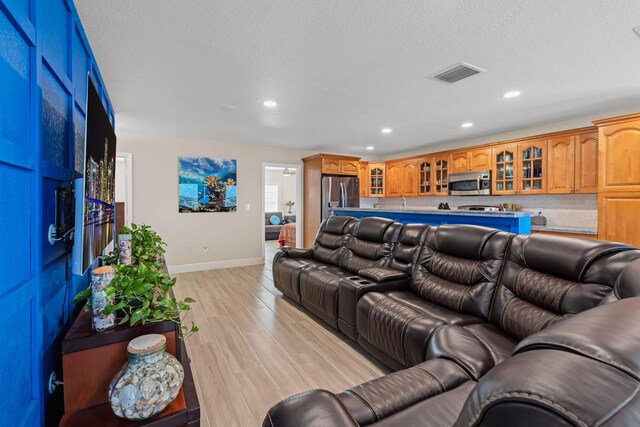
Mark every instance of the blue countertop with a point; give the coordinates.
(514, 222)
(491, 214)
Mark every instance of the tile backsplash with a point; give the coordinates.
(577, 210)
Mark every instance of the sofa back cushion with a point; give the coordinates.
(371, 244)
(459, 265)
(546, 278)
(407, 248)
(333, 234)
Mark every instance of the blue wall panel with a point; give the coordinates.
(14, 84)
(16, 370)
(15, 193)
(43, 70)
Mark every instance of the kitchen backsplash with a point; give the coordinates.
(577, 210)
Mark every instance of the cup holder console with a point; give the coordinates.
(354, 278)
(364, 282)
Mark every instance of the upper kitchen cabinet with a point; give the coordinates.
(619, 152)
(473, 160)
(410, 177)
(376, 179)
(572, 164)
(586, 163)
(532, 164)
(441, 175)
(425, 176)
(363, 175)
(459, 162)
(393, 178)
(339, 165)
(561, 164)
(504, 169)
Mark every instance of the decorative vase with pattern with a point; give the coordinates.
(148, 382)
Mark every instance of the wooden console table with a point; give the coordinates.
(90, 360)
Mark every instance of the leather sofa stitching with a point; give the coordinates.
(492, 353)
(597, 255)
(533, 396)
(504, 313)
(524, 260)
(562, 298)
(357, 396)
(440, 386)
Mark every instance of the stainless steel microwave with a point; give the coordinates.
(476, 183)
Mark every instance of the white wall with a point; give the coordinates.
(233, 238)
(287, 188)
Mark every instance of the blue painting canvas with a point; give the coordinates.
(207, 185)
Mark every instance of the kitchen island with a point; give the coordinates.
(514, 222)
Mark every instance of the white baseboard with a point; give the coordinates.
(212, 265)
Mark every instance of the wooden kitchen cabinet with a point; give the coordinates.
(425, 176)
(338, 166)
(363, 176)
(504, 170)
(572, 164)
(618, 217)
(410, 178)
(619, 152)
(441, 175)
(393, 178)
(532, 164)
(459, 162)
(471, 160)
(561, 165)
(376, 179)
(480, 159)
(586, 169)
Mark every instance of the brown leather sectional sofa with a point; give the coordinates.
(473, 321)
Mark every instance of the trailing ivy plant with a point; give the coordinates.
(146, 246)
(141, 292)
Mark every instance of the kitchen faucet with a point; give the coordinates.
(404, 203)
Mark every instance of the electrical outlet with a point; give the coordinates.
(205, 248)
(539, 211)
(247, 207)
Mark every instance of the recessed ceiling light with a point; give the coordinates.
(270, 104)
(387, 130)
(230, 108)
(511, 94)
(371, 147)
(466, 125)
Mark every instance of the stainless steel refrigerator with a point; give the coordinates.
(339, 192)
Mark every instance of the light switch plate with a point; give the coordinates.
(247, 207)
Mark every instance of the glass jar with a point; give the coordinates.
(148, 382)
(101, 278)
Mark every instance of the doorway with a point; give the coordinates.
(281, 206)
(124, 190)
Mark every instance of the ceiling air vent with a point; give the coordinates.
(456, 72)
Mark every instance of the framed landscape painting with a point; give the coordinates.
(206, 185)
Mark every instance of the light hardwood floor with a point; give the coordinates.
(255, 347)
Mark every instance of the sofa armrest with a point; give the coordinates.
(383, 275)
(351, 289)
(315, 408)
(297, 253)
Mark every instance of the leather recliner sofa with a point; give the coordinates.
(460, 300)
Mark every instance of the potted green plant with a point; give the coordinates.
(141, 291)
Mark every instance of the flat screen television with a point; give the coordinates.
(95, 191)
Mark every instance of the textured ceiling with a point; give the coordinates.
(342, 70)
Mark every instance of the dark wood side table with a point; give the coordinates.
(90, 360)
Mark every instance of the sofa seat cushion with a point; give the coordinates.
(391, 394)
(400, 324)
(476, 348)
(286, 274)
(319, 292)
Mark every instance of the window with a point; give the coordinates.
(272, 198)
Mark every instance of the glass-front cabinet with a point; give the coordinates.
(504, 169)
(441, 175)
(425, 176)
(376, 179)
(532, 165)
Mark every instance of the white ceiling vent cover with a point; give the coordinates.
(456, 72)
